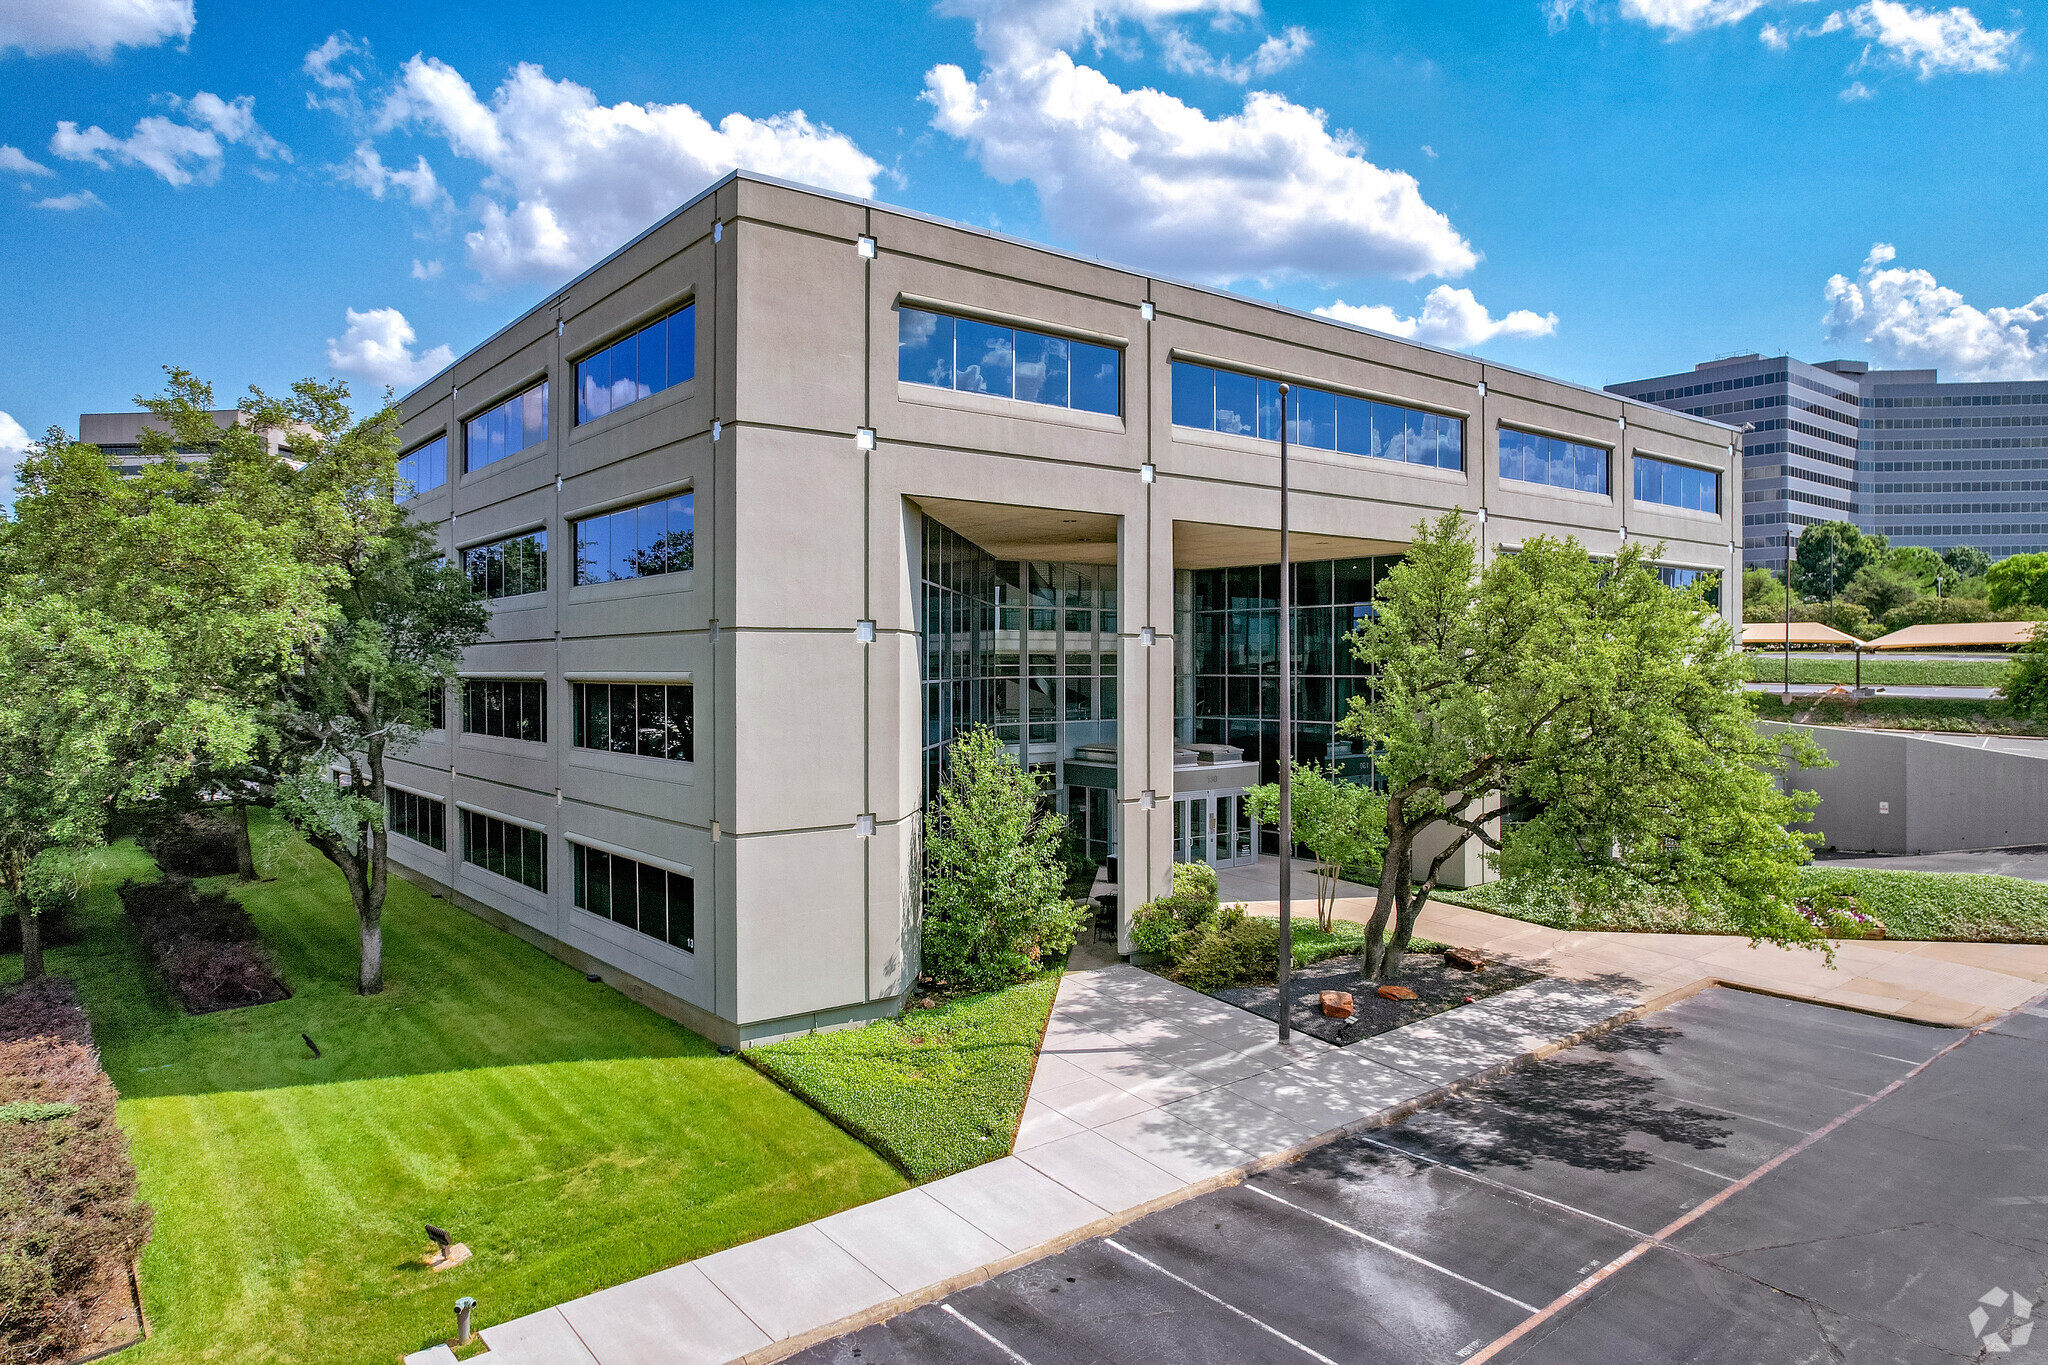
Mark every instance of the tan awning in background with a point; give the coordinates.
(1803, 633)
(1981, 634)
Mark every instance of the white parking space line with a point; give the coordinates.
(983, 1333)
(1398, 1251)
(1268, 1327)
(1500, 1185)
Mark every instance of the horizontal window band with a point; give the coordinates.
(658, 493)
(969, 311)
(617, 851)
(644, 675)
(1326, 385)
(501, 818)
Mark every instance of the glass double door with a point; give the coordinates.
(1214, 828)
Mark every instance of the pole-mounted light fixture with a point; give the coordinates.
(1285, 966)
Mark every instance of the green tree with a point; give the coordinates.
(1882, 587)
(994, 902)
(1829, 555)
(1763, 595)
(361, 697)
(1917, 562)
(1586, 691)
(2018, 581)
(2025, 684)
(1965, 561)
(1344, 824)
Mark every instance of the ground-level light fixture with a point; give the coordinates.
(464, 1306)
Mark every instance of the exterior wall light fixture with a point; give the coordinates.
(864, 631)
(863, 438)
(1148, 473)
(864, 826)
(865, 245)
(1146, 799)
(1146, 311)
(1147, 636)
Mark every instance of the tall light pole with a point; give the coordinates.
(1286, 965)
(1788, 616)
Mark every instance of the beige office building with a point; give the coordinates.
(942, 478)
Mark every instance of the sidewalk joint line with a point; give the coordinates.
(1308, 1351)
(983, 1333)
(1398, 1251)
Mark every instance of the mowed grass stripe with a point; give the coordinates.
(572, 1138)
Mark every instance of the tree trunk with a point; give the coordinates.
(31, 942)
(370, 979)
(245, 853)
(1393, 869)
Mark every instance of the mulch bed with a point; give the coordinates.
(1437, 985)
(204, 945)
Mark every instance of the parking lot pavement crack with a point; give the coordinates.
(1714, 1257)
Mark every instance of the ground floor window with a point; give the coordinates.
(507, 849)
(419, 818)
(644, 898)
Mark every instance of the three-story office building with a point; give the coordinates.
(779, 497)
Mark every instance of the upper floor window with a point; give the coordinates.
(638, 542)
(1007, 362)
(1671, 576)
(510, 708)
(1677, 485)
(509, 567)
(1551, 460)
(508, 428)
(424, 468)
(1241, 405)
(658, 356)
(653, 720)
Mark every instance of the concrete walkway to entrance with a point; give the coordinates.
(1958, 984)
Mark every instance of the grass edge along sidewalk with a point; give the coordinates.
(574, 1139)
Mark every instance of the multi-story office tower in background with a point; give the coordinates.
(1799, 441)
(779, 498)
(119, 436)
(1948, 464)
(1891, 451)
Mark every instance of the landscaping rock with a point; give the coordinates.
(1337, 1004)
(1395, 993)
(1464, 959)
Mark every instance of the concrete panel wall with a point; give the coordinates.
(803, 532)
(1892, 792)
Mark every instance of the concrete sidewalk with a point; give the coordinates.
(1957, 984)
(1146, 1094)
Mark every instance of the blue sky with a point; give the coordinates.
(1596, 189)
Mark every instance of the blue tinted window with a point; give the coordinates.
(984, 358)
(659, 356)
(1194, 397)
(508, 568)
(924, 348)
(425, 468)
(1240, 405)
(1007, 362)
(1530, 458)
(508, 428)
(637, 542)
(1677, 485)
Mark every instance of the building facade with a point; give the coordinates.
(119, 436)
(788, 490)
(1800, 439)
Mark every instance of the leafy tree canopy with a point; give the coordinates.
(1829, 555)
(1587, 692)
(1882, 587)
(1966, 561)
(2018, 581)
(1918, 563)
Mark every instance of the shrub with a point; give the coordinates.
(68, 1211)
(1937, 611)
(204, 944)
(192, 845)
(1196, 880)
(1832, 907)
(1233, 950)
(995, 903)
(1155, 923)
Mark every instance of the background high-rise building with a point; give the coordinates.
(1893, 451)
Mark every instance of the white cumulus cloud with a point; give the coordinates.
(68, 203)
(425, 270)
(366, 171)
(570, 179)
(1933, 42)
(95, 27)
(14, 161)
(180, 153)
(1450, 318)
(13, 444)
(378, 346)
(1282, 50)
(1909, 321)
(1689, 16)
(1142, 177)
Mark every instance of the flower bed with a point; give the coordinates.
(203, 944)
(70, 1224)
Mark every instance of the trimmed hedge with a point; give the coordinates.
(68, 1212)
(203, 944)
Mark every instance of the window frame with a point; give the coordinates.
(479, 706)
(420, 489)
(581, 851)
(472, 465)
(1607, 453)
(1262, 391)
(582, 724)
(1637, 458)
(585, 408)
(603, 547)
(417, 799)
(1044, 342)
(539, 550)
(468, 812)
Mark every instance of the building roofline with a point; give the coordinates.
(734, 176)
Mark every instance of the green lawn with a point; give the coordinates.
(572, 1138)
(937, 1090)
(1766, 667)
(1345, 938)
(1960, 716)
(1911, 905)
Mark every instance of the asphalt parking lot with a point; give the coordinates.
(1685, 1189)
